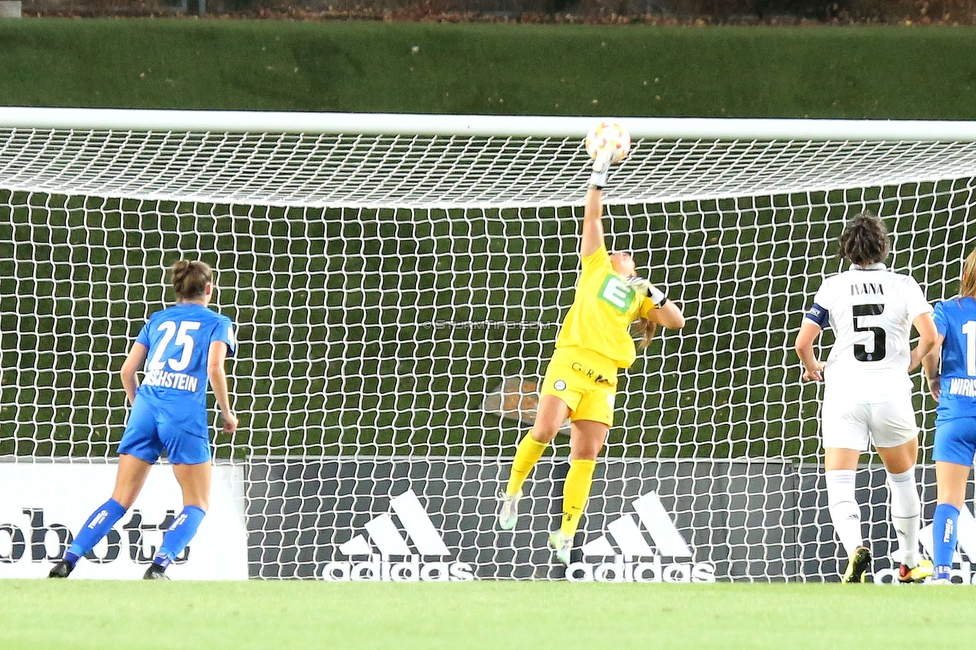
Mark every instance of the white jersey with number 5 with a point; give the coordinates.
(871, 310)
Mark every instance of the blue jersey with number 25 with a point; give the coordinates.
(179, 339)
(956, 321)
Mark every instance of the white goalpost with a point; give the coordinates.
(397, 282)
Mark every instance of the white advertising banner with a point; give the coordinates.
(42, 504)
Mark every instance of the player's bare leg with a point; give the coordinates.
(129, 479)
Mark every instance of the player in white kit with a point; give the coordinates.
(868, 391)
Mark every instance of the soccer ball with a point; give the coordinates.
(608, 136)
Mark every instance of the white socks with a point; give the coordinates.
(845, 514)
(905, 514)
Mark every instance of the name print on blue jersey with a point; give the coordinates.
(175, 380)
(964, 387)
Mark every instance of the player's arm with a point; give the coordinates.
(592, 238)
(216, 357)
(133, 362)
(656, 306)
(927, 333)
(807, 336)
(930, 366)
(668, 315)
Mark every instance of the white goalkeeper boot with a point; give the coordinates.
(562, 544)
(508, 514)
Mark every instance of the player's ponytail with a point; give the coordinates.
(644, 328)
(967, 286)
(190, 279)
(864, 240)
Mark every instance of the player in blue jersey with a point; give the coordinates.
(182, 347)
(954, 387)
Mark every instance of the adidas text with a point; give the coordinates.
(623, 569)
(410, 569)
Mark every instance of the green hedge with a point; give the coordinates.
(854, 72)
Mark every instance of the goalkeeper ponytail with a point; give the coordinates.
(644, 328)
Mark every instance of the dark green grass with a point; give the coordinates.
(39, 614)
(854, 72)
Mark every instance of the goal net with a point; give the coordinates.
(397, 283)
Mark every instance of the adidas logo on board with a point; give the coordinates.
(668, 542)
(388, 541)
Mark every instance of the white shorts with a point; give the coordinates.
(853, 425)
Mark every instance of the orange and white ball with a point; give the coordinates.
(608, 136)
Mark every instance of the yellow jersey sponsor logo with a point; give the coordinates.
(590, 373)
(617, 293)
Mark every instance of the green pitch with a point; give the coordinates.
(91, 614)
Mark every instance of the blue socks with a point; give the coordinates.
(944, 525)
(97, 526)
(179, 535)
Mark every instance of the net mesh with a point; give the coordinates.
(386, 287)
(420, 172)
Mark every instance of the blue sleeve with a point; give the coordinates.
(224, 332)
(941, 322)
(143, 336)
(818, 315)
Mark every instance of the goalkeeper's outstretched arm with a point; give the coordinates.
(593, 210)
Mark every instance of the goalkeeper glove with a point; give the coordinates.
(601, 167)
(648, 290)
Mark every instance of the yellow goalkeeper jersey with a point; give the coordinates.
(604, 307)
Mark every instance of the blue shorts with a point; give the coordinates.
(151, 430)
(955, 441)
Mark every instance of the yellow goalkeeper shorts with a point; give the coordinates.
(586, 381)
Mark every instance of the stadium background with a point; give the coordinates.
(363, 66)
(901, 72)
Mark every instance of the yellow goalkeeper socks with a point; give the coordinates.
(575, 493)
(528, 454)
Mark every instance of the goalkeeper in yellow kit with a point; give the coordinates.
(581, 379)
